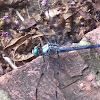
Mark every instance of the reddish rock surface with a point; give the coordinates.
(21, 83)
(94, 37)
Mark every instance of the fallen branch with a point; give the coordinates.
(9, 61)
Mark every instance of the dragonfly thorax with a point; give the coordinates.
(47, 49)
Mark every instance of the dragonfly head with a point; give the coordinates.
(40, 50)
(35, 51)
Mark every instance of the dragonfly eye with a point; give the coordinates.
(35, 51)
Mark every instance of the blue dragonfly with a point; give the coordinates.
(49, 49)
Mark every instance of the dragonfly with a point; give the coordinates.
(51, 49)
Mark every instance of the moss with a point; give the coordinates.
(4, 95)
(92, 58)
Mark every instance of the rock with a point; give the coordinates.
(20, 84)
(71, 62)
(94, 37)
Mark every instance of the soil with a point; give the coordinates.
(67, 22)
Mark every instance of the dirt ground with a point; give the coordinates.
(24, 24)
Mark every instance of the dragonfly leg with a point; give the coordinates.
(36, 93)
(42, 74)
(56, 73)
(56, 82)
(56, 90)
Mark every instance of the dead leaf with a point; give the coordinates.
(21, 57)
(83, 12)
(10, 2)
(67, 15)
(27, 23)
(18, 57)
(44, 29)
(14, 42)
(36, 16)
(5, 41)
(51, 13)
(97, 5)
(17, 41)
